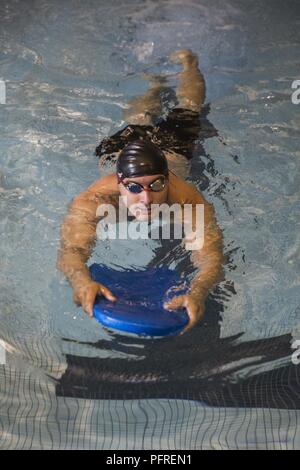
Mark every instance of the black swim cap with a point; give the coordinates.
(141, 158)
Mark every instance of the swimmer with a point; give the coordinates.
(152, 157)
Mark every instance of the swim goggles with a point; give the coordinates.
(156, 186)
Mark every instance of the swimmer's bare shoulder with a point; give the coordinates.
(104, 190)
(182, 192)
(106, 185)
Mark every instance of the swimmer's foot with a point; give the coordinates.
(185, 57)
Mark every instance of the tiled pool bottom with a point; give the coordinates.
(35, 414)
(49, 422)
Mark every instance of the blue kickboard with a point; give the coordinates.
(141, 294)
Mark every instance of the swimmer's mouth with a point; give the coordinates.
(145, 210)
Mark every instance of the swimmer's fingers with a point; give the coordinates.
(91, 294)
(107, 293)
(195, 309)
(195, 312)
(175, 303)
(86, 296)
(76, 298)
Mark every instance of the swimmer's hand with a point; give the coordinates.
(195, 308)
(86, 294)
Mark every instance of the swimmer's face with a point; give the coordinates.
(139, 203)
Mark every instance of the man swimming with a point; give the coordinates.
(144, 154)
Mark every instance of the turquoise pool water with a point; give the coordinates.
(69, 69)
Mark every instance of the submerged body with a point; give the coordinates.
(175, 137)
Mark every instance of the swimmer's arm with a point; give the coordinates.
(78, 235)
(209, 259)
(209, 256)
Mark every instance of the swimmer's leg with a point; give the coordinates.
(191, 88)
(146, 108)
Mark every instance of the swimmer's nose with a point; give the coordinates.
(146, 198)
